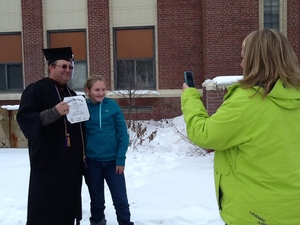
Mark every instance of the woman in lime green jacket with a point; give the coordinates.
(255, 134)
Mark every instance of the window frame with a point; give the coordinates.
(136, 61)
(282, 15)
(81, 49)
(12, 43)
(272, 12)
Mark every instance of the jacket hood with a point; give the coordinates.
(285, 97)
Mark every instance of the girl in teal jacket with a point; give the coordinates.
(255, 134)
(106, 141)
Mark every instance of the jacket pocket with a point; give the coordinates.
(221, 170)
(217, 188)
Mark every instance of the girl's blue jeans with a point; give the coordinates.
(95, 174)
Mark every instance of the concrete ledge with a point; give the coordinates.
(220, 82)
(10, 96)
(166, 93)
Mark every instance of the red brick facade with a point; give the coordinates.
(293, 24)
(204, 36)
(225, 25)
(161, 108)
(99, 39)
(33, 40)
(179, 42)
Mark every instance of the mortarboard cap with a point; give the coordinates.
(53, 54)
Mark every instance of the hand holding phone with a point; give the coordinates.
(189, 78)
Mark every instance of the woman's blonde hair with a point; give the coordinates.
(268, 56)
(92, 80)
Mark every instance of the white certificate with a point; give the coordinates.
(78, 111)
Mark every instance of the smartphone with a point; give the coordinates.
(189, 78)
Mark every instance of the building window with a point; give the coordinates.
(134, 59)
(11, 67)
(271, 14)
(76, 40)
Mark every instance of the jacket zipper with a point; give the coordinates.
(100, 116)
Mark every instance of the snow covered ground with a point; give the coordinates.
(168, 182)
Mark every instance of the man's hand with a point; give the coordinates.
(62, 108)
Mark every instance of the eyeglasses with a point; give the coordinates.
(64, 66)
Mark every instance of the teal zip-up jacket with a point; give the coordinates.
(106, 135)
(257, 152)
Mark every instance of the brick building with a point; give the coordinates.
(139, 46)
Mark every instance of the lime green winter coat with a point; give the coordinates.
(257, 152)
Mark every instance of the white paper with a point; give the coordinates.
(78, 111)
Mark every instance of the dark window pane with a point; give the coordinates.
(125, 74)
(271, 14)
(14, 77)
(267, 25)
(145, 75)
(135, 74)
(275, 10)
(268, 2)
(275, 3)
(275, 18)
(79, 76)
(275, 26)
(2, 78)
(267, 10)
(267, 19)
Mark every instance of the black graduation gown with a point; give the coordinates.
(55, 170)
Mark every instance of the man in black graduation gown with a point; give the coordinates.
(55, 145)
